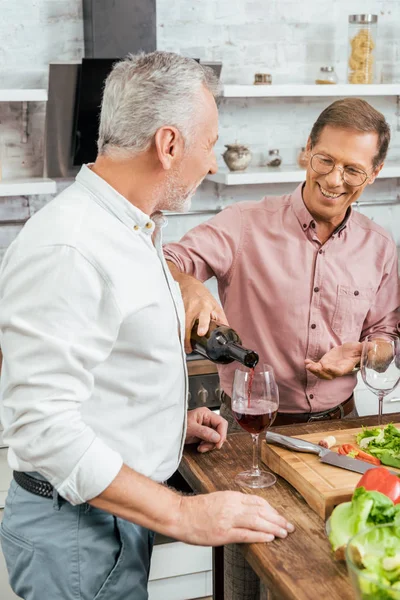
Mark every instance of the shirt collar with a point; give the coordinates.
(305, 218)
(108, 197)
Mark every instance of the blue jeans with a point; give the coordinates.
(56, 551)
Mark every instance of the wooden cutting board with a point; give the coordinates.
(322, 486)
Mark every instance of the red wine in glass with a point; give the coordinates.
(255, 403)
(256, 419)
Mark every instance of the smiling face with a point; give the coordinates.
(327, 197)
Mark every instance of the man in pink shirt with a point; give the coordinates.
(302, 277)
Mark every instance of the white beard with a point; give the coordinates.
(174, 196)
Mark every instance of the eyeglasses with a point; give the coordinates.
(323, 165)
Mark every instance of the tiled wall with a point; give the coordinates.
(286, 38)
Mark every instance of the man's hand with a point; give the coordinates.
(206, 427)
(199, 304)
(229, 517)
(339, 361)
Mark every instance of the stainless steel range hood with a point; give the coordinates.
(114, 28)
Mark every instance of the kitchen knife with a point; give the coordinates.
(326, 456)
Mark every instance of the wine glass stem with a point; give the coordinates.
(381, 396)
(255, 468)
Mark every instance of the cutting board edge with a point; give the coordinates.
(322, 501)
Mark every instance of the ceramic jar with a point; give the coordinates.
(275, 159)
(237, 157)
(302, 159)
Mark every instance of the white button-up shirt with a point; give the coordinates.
(92, 331)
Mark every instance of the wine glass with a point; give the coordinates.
(255, 402)
(380, 366)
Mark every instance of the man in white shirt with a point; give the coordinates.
(94, 380)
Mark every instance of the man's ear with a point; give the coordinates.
(308, 146)
(169, 146)
(375, 174)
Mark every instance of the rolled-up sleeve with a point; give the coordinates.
(210, 249)
(58, 320)
(384, 314)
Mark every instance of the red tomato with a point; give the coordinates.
(381, 480)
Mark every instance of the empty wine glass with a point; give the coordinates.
(255, 402)
(380, 366)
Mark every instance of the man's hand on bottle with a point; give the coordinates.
(206, 427)
(339, 361)
(199, 304)
(230, 517)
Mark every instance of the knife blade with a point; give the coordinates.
(326, 456)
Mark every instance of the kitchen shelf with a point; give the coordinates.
(285, 174)
(23, 95)
(296, 90)
(27, 187)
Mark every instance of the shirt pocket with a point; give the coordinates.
(351, 308)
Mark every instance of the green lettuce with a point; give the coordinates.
(382, 443)
(378, 558)
(365, 510)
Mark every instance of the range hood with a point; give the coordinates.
(113, 28)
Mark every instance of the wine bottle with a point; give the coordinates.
(222, 345)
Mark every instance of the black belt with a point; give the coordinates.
(35, 486)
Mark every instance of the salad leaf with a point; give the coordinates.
(382, 443)
(378, 561)
(365, 510)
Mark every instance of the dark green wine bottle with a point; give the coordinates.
(222, 345)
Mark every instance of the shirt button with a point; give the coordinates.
(149, 225)
(356, 293)
(316, 289)
(313, 326)
(311, 396)
(136, 227)
(305, 225)
(313, 225)
(320, 251)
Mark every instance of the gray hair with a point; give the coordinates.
(144, 92)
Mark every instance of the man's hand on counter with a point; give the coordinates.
(339, 361)
(206, 427)
(206, 520)
(230, 517)
(199, 304)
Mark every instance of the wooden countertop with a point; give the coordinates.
(300, 567)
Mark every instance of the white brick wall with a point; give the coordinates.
(287, 38)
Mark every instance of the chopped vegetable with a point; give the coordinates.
(328, 442)
(381, 480)
(353, 452)
(383, 443)
(366, 509)
(377, 556)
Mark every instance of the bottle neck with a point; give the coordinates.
(246, 357)
(222, 344)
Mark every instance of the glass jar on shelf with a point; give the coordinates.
(275, 159)
(326, 76)
(362, 49)
(302, 159)
(262, 79)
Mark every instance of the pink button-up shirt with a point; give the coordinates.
(291, 298)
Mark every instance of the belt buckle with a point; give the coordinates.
(318, 417)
